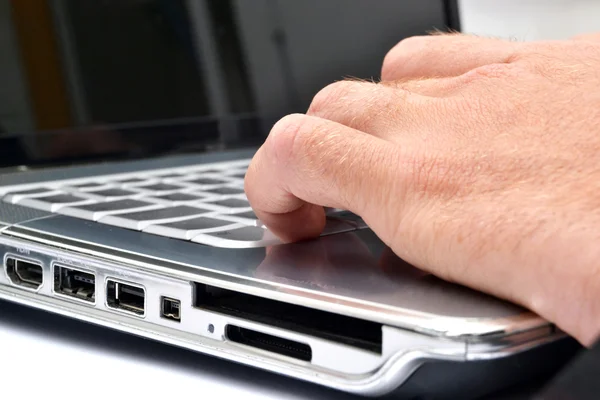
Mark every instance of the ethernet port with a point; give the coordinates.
(125, 297)
(74, 283)
(24, 273)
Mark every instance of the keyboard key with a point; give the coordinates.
(189, 228)
(169, 176)
(85, 187)
(112, 194)
(98, 210)
(141, 219)
(62, 198)
(14, 197)
(247, 215)
(246, 218)
(177, 197)
(237, 174)
(225, 190)
(244, 237)
(131, 181)
(160, 188)
(53, 202)
(88, 185)
(209, 172)
(231, 204)
(207, 181)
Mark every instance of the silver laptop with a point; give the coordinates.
(127, 128)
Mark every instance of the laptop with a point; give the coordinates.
(126, 130)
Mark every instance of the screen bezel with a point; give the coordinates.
(453, 15)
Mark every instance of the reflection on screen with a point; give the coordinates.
(75, 64)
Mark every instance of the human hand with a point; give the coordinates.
(474, 159)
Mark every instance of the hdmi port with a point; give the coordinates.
(24, 273)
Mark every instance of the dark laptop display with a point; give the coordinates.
(98, 80)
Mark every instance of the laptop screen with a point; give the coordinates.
(88, 80)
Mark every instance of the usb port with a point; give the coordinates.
(126, 297)
(24, 273)
(171, 309)
(74, 283)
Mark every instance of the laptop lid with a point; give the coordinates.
(88, 81)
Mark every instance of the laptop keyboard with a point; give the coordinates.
(205, 204)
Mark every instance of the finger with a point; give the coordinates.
(443, 56)
(590, 37)
(307, 161)
(381, 110)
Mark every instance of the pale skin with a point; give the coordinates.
(475, 159)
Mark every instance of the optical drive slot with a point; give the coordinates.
(355, 332)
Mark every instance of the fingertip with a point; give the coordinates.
(306, 222)
(252, 173)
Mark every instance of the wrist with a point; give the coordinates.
(570, 295)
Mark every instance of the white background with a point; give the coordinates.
(53, 358)
(530, 19)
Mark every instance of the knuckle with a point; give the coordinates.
(281, 143)
(414, 42)
(302, 142)
(330, 95)
(396, 60)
